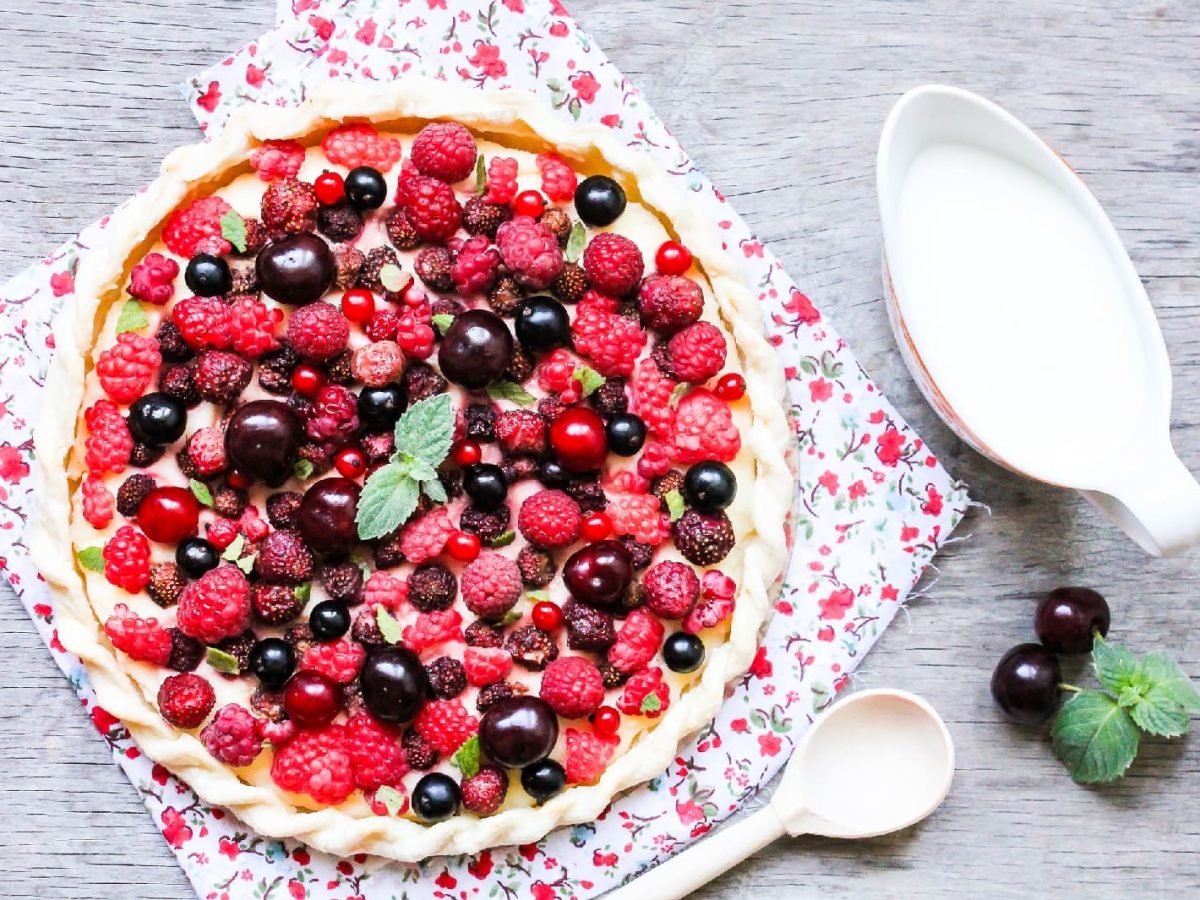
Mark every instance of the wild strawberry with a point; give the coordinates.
(126, 368)
(206, 450)
(289, 206)
(377, 363)
(703, 539)
(185, 700)
(483, 793)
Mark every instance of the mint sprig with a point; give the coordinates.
(132, 318)
(466, 757)
(233, 229)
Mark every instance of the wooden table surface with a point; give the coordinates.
(781, 101)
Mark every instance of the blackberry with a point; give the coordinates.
(274, 604)
(340, 222)
(633, 598)
(378, 447)
(239, 647)
(532, 647)
(536, 566)
(342, 582)
(483, 634)
(610, 399)
(662, 358)
(377, 258)
(166, 584)
(421, 382)
(448, 306)
(571, 283)
(432, 587)
(221, 377)
(132, 492)
(664, 484)
(550, 407)
(481, 217)
(300, 636)
(177, 382)
(229, 502)
(320, 455)
(400, 231)
(505, 296)
(302, 406)
(493, 694)
(186, 652)
(588, 494)
(339, 369)
(559, 223)
(588, 628)
(447, 677)
(365, 629)
(488, 524)
(518, 468)
(144, 455)
(452, 481)
(282, 508)
(268, 704)
(388, 554)
(352, 698)
(521, 365)
(347, 261)
(704, 540)
(417, 751)
(245, 281)
(274, 382)
(171, 344)
(256, 236)
(432, 266)
(611, 676)
(481, 422)
(186, 466)
(640, 553)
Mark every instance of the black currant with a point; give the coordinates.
(709, 486)
(272, 660)
(157, 418)
(329, 620)
(365, 188)
(381, 407)
(485, 485)
(196, 556)
(599, 200)
(543, 779)
(435, 797)
(208, 276)
(683, 652)
(542, 324)
(626, 434)
(552, 474)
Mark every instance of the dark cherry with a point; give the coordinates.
(262, 440)
(626, 434)
(311, 699)
(196, 556)
(435, 797)
(1068, 619)
(485, 484)
(543, 779)
(381, 407)
(599, 574)
(1025, 683)
(683, 652)
(542, 324)
(553, 474)
(709, 486)
(157, 418)
(599, 200)
(326, 516)
(329, 620)
(518, 731)
(168, 514)
(208, 276)
(476, 350)
(579, 439)
(394, 684)
(365, 188)
(272, 660)
(297, 270)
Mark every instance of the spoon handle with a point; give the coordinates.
(702, 862)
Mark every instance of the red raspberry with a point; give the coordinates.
(491, 585)
(558, 178)
(252, 524)
(670, 588)
(530, 251)
(186, 700)
(337, 660)
(594, 302)
(475, 265)
(153, 279)
(639, 516)
(289, 206)
(203, 322)
(483, 793)
(444, 150)
(645, 694)
(445, 724)
(433, 628)
(572, 686)
(216, 606)
(521, 431)
(197, 229)
(613, 263)
(655, 460)
(611, 342)
(652, 392)
(206, 450)
(385, 590)
(704, 429)
(98, 503)
(253, 326)
(637, 641)
(361, 145)
(716, 602)
(222, 532)
(697, 353)
(316, 763)
(141, 639)
(127, 559)
(425, 538)
(487, 665)
(277, 159)
(318, 331)
(588, 754)
(431, 207)
(220, 377)
(669, 302)
(377, 363)
(232, 736)
(550, 519)
(126, 368)
(375, 753)
(109, 443)
(555, 372)
(415, 337)
(382, 326)
(334, 416)
(501, 180)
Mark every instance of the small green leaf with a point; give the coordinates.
(392, 278)
(132, 318)
(511, 618)
(466, 757)
(678, 394)
(415, 468)
(576, 241)
(1170, 680)
(234, 551)
(387, 500)
(503, 539)
(650, 703)
(589, 379)
(434, 489)
(388, 626)
(223, 662)
(480, 175)
(391, 798)
(245, 563)
(537, 596)
(233, 229)
(1115, 666)
(201, 492)
(426, 429)
(303, 469)
(91, 558)
(443, 321)
(303, 592)
(1094, 737)
(510, 391)
(675, 504)
(1160, 715)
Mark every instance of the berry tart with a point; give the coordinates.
(416, 476)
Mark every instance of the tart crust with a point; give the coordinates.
(520, 120)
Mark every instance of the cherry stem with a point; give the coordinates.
(1063, 686)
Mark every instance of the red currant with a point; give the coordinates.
(672, 258)
(330, 188)
(597, 527)
(731, 387)
(307, 380)
(239, 481)
(467, 453)
(547, 615)
(358, 305)
(529, 203)
(606, 721)
(463, 546)
(350, 462)
(579, 439)
(168, 514)
(311, 699)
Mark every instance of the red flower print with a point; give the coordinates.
(557, 9)
(559, 29)
(323, 27)
(366, 32)
(802, 308)
(446, 880)
(931, 507)
(159, 774)
(296, 889)
(585, 85)
(481, 866)
(175, 829)
(62, 283)
(829, 481)
(689, 812)
(210, 98)
(12, 464)
(228, 848)
(857, 490)
(487, 59)
(529, 851)
(888, 592)
(301, 857)
(825, 633)
(436, 4)
(835, 605)
(876, 418)
(103, 719)
(889, 446)
(739, 725)
(601, 860)
(337, 57)
(769, 744)
(820, 390)
(254, 75)
(345, 868)
(542, 891)
(909, 533)
(516, 6)
(761, 667)
(752, 248)
(611, 120)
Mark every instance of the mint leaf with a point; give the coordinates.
(392, 800)
(426, 429)
(537, 596)
(576, 241)
(201, 492)
(510, 391)
(91, 558)
(233, 229)
(387, 500)
(675, 504)
(302, 470)
(416, 469)
(480, 175)
(1094, 737)
(1170, 680)
(1160, 715)
(678, 393)
(434, 490)
(466, 757)
(511, 618)
(303, 592)
(589, 379)
(245, 563)
(443, 321)
(1115, 666)
(503, 539)
(650, 703)
(388, 626)
(392, 278)
(222, 661)
(234, 550)
(132, 318)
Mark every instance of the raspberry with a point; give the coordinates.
(558, 178)
(375, 754)
(197, 229)
(433, 628)
(216, 606)
(220, 377)
(704, 429)
(475, 266)
(177, 382)
(536, 566)
(153, 279)
(127, 559)
(639, 516)
(206, 450)
(613, 263)
(483, 793)
(253, 326)
(318, 331)
(645, 694)
(482, 217)
(431, 207)
(432, 587)
(501, 180)
(487, 524)
(521, 431)
(334, 416)
(571, 283)
(360, 144)
(382, 326)
(109, 443)
(277, 159)
(316, 763)
(611, 342)
(703, 539)
(232, 736)
(141, 639)
(715, 604)
(289, 206)
(283, 558)
(532, 647)
(444, 150)
(572, 686)
(486, 665)
(98, 503)
(530, 252)
(697, 353)
(588, 754)
(203, 322)
(274, 604)
(549, 519)
(637, 641)
(338, 660)
(186, 700)
(385, 590)
(432, 266)
(447, 677)
(126, 368)
(445, 724)
(491, 585)
(555, 372)
(668, 303)
(377, 363)
(415, 339)
(221, 533)
(340, 222)
(424, 538)
(588, 628)
(166, 584)
(670, 588)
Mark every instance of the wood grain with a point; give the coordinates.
(781, 101)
